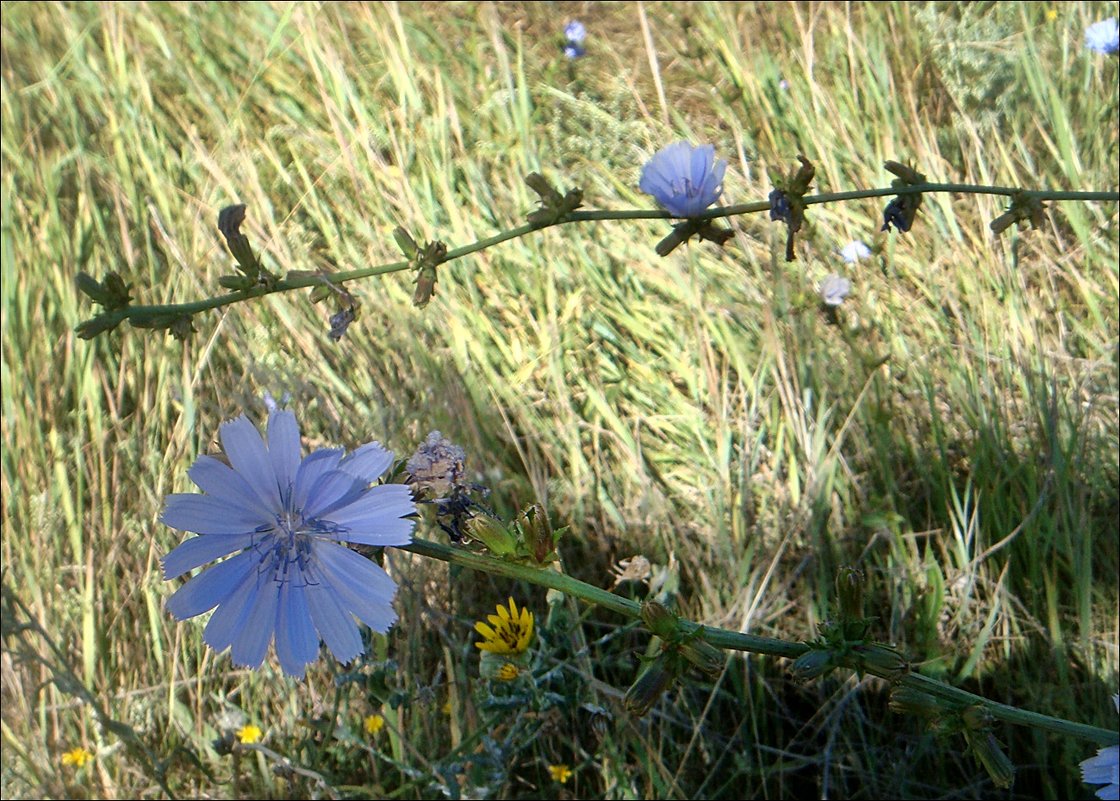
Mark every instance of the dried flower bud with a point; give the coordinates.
(405, 242)
(96, 325)
(703, 655)
(425, 286)
(229, 224)
(236, 282)
(986, 749)
(849, 592)
(540, 539)
(93, 288)
(905, 172)
(182, 328)
(436, 466)
(541, 185)
(880, 660)
(658, 619)
(908, 701)
(653, 681)
(812, 665)
(320, 292)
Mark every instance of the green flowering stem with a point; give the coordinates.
(138, 315)
(594, 595)
(951, 697)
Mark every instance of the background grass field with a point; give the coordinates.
(954, 431)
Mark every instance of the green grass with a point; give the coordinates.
(698, 409)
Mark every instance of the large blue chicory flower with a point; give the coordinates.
(684, 179)
(1104, 768)
(1103, 36)
(286, 520)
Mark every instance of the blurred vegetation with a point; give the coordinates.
(953, 429)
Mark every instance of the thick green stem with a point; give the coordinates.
(139, 313)
(738, 641)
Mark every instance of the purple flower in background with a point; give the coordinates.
(834, 288)
(1104, 768)
(683, 179)
(1103, 36)
(854, 251)
(574, 34)
(286, 520)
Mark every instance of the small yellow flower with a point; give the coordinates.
(508, 671)
(509, 631)
(249, 734)
(446, 708)
(560, 773)
(78, 757)
(1051, 14)
(374, 723)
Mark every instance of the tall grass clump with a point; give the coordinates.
(707, 434)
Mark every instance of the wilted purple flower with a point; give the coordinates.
(1104, 768)
(437, 466)
(854, 251)
(1103, 36)
(779, 205)
(684, 179)
(900, 212)
(286, 520)
(834, 288)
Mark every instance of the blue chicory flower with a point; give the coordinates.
(1104, 768)
(834, 288)
(574, 50)
(287, 521)
(1103, 36)
(574, 32)
(684, 179)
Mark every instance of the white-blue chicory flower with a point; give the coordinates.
(1103, 36)
(287, 521)
(834, 288)
(575, 32)
(1104, 768)
(854, 251)
(684, 179)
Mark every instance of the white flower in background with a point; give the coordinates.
(854, 251)
(834, 288)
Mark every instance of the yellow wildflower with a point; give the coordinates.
(249, 734)
(78, 757)
(374, 723)
(509, 631)
(560, 773)
(1051, 14)
(508, 671)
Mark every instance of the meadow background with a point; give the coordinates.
(953, 430)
